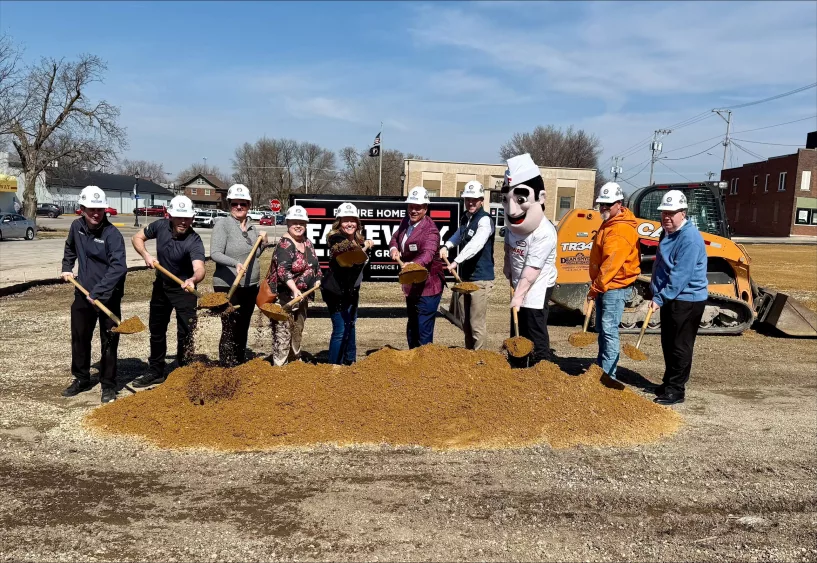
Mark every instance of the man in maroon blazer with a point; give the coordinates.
(417, 240)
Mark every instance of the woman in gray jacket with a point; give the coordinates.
(231, 242)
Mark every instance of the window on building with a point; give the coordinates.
(766, 185)
(433, 183)
(199, 181)
(206, 192)
(565, 205)
(496, 196)
(737, 212)
(775, 212)
(754, 214)
(781, 182)
(733, 190)
(803, 216)
(805, 181)
(463, 179)
(433, 193)
(194, 191)
(754, 180)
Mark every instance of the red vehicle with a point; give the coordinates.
(267, 220)
(152, 211)
(108, 211)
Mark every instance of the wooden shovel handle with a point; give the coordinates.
(174, 278)
(644, 328)
(587, 315)
(304, 294)
(97, 302)
(515, 317)
(456, 276)
(238, 277)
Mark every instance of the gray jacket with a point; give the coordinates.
(228, 247)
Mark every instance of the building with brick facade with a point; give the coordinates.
(206, 192)
(566, 188)
(776, 197)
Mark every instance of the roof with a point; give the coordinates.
(212, 180)
(502, 164)
(65, 178)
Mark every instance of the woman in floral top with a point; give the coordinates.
(294, 269)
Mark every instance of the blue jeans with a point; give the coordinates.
(342, 345)
(609, 310)
(422, 313)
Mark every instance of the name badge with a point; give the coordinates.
(413, 248)
(470, 232)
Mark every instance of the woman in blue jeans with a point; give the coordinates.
(341, 285)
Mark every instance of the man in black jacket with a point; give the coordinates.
(99, 248)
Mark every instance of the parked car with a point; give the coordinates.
(152, 211)
(206, 218)
(48, 210)
(14, 225)
(255, 214)
(266, 220)
(108, 211)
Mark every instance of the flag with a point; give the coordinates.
(377, 140)
(375, 148)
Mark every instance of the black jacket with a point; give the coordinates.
(338, 280)
(101, 254)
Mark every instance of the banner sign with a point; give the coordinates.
(380, 217)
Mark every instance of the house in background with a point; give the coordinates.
(776, 197)
(62, 187)
(205, 191)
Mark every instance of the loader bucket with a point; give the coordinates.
(786, 314)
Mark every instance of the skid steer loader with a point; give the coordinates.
(735, 302)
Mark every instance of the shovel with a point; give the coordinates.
(414, 274)
(634, 352)
(518, 346)
(278, 313)
(129, 326)
(175, 278)
(583, 338)
(218, 299)
(461, 286)
(353, 255)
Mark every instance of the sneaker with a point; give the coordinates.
(77, 387)
(108, 395)
(669, 399)
(611, 382)
(148, 379)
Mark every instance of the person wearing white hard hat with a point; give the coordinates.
(530, 254)
(475, 261)
(340, 287)
(232, 239)
(417, 241)
(293, 270)
(179, 250)
(99, 249)
(615, 263)
(680, 290)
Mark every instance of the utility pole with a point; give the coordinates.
(616, 169)
(380, 171)
(709, 175)
(728, 120)
(656, 147)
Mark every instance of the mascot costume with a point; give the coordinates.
(530, 252)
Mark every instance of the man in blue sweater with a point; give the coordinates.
(679, 289)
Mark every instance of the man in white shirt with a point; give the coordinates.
(530, 252)
(475, 261)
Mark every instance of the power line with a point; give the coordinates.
(647, 163)
(671, 170)
(795, 91)
(775, 125)
(750, 153)
(696, 154)
(762, 143)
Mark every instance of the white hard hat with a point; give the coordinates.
(347, 210)
(296, 213)
(238, 191)
(473, 189)
(610, 193)
(673, 200)
(418, 195)
(93, 197)
(180, 206)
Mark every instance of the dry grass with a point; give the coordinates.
(788, 268)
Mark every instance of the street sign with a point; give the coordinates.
(275, 205)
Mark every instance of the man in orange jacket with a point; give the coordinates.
(615, 263)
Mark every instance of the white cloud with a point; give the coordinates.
(320, 106)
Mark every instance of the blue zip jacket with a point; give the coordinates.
(680, 267)
(101, 254)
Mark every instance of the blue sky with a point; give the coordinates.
(451, 81)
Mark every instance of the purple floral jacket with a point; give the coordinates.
(422, 248)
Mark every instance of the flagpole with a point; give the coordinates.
(380, 172)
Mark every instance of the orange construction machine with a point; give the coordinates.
(735, 301)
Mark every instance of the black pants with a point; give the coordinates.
(236, 326)
(164, 299)
(84, 317)
(679, 327)
(533, 325)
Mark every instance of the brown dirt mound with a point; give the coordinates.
(130, 326)
(466, 287)
(634, 353)
(518, 346)
(413, 273)
(345, 246)
(213, 299)
(212, 384)
(273, 310)
(431, 396)
(582, 339)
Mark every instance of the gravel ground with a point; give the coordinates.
(737, 482)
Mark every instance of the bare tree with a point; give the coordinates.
(315, 169)
(199, 168)
(549, 146)
(53, 120)
(361, 172)
(149, 170)
(11, 76)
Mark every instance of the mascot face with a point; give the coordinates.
(524, 210)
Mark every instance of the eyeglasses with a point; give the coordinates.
(238, 204)
(607, 205)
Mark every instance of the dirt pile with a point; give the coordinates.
(413, 273)
(582, 339)
(430, 396)
(465, 287)
(274, 311)
(518, 346)
(130, 326)
(634, 353)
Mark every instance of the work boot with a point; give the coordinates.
(78, 386)
(108, 395)
(611, 382)
(148, 379)
(670, 399)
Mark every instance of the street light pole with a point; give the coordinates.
(136, 198)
